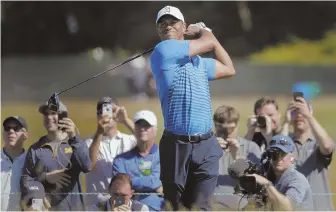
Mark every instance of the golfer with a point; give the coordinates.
(189, 151)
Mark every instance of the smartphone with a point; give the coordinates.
(62, 116)
(120, 200)
(107, 109)
(297, 94)
(37, 204)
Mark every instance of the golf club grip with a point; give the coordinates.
(97, 75)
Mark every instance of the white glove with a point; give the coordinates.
(202, 26)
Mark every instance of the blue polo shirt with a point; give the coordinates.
(183, 88)
(145, 174)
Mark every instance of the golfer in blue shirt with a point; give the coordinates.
(189, 152)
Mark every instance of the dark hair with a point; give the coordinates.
(125, 178)
(265, 101)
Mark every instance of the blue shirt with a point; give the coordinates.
(183, 88)
(144, 172)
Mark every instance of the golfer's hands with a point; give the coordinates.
(58, 177)
(102, 122)
(68, 126)
(194, 30)
(122, 208)
(159, 190)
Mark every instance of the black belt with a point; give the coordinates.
(190, 138)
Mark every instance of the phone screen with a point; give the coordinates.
(120, 200)
(107, 109)
(37, 204)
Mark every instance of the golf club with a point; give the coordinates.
(97, 75)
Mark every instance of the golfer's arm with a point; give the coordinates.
(224, 65)
(205, 43)
(279, 201)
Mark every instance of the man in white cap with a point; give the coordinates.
(143, 162)
(191, 151)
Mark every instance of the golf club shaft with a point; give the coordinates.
(97, 75)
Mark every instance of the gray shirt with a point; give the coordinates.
(314, 166)
(225, 184)
(296, 188)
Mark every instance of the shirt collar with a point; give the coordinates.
(118, 136)
(5, 155)
(152, 150)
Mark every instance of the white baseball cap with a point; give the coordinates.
(170, 10)
(146, 115)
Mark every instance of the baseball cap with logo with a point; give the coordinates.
(18, 119)
(285, 143)
(146, 115)
(170, 10)
(44, 107)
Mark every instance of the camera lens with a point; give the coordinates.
(261, 121)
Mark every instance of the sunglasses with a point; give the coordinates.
(282, 142)
(276, 155)
(15, 128)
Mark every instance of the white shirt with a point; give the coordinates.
(10, 181)
(98, 180)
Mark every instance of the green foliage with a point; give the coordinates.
(300, 52)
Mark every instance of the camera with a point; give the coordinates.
(261, 121)
(247, 185)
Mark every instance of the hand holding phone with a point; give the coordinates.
(120, 200)
(37, 204)
(107, 110)
(296, 95)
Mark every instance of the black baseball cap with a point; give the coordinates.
(106, 100)
(18, 119)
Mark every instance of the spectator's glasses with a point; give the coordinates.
(281, 142)
(276, 155)
(15, 128)
(53, 103)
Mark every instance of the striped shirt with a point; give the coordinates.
(183, 88)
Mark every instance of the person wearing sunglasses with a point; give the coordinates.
(314, 149)
(57, 159)
(289, 189)
(14, 134)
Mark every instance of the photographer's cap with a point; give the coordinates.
(285, 143)
(44, 107)
(170, 10)
(18, 119)
(146, 115)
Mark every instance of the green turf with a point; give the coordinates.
(83, 114)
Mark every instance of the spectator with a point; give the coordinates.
(226, 119)
(143, 162)
(120, 188)
(35, 191)
(268, 109)
(314, 150)
(15, 132)
(56, 160)
(291, 190)
(104, 146)
(182, 80)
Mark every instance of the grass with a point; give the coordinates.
(83, 114)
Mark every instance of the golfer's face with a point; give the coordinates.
(169, 27)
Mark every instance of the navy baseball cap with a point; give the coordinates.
(285, 143)
(18, 119)
(34, 190)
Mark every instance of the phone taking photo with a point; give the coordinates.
(120, 200)
(37, 204)
(107, 110)
(61, 116)
(297, 94)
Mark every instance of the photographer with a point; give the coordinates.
(226, 119)
(57, 159)
(314, 150)
(291, 190)
(106, 143)
(120, 198)
(265, 123)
